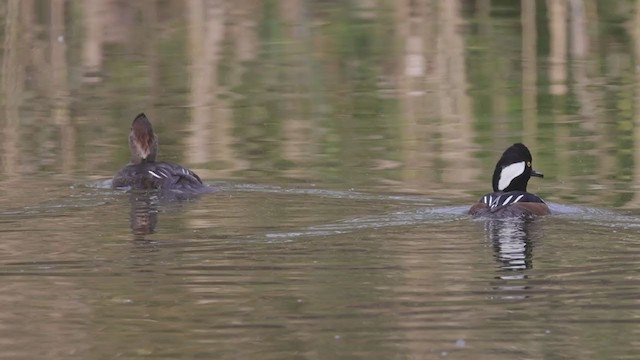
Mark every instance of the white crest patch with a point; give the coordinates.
(144, 153)
(509, 173)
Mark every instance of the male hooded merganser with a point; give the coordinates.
(510, 197)
(145, 173)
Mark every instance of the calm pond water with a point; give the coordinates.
(347, 140)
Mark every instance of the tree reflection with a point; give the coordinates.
(411, 95)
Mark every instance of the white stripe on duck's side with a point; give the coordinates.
(489, 200)
(506, 201)
(494, 203)
(154, 174)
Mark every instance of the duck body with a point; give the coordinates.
(159, 175)
(145, 173)
(509, 204)
(510, 197)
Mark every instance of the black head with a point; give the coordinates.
(514, 169)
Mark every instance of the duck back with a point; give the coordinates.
(159, 175)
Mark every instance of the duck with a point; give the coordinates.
(144, 172)
(510, 198)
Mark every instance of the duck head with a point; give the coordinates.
(514, 169)
(143, 142)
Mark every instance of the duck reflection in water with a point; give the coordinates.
(145, 206)
(512, 240)
(144, 213)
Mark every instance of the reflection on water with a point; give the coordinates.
(144, 213)
(348, 140)
(400, 96)
(512, 241)
(306, 271)
(145, 206)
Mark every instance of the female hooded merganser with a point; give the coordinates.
(510, 197)
(145, 173)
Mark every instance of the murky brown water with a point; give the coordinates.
(347, 141)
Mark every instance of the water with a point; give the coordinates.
(305, 272)
(347, 141)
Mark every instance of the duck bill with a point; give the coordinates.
(536, 174)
